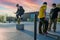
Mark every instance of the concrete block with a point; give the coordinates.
(20, 26)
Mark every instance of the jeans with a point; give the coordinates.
(45, 25)
(54, 21)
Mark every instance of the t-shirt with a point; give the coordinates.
(20, 11)
(42, 12)
(54, 12)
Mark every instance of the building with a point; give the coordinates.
(29, 16)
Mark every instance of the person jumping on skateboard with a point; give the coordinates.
(20, 12)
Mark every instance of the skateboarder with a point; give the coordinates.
(19, 13)
(53, 17)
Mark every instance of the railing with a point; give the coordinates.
(35, 27)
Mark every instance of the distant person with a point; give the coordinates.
(42, 18)
(53, 17)
(20, 11)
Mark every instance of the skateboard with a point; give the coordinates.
(18, 20)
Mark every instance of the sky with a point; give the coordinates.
(8, 7)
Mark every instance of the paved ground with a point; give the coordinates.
(9, 32)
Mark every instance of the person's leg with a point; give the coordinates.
(50, 24)
(43, 23)
(46, 26)
(54, 26)
(40, 27)
(18, 20)
(17, 16)
(21, 17)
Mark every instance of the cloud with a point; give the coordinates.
(9, 6)
(26, 4)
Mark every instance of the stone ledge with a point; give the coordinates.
(20, 26)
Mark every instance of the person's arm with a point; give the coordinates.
(50, 14)
(17, 11)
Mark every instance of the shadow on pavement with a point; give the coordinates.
(39, 36)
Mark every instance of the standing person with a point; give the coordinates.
(43, 21)
(53, 17)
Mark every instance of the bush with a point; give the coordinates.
(59, 20)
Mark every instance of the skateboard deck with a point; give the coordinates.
(18, 21)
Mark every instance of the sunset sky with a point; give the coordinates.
(8, 6)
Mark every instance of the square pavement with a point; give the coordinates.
(9, 32)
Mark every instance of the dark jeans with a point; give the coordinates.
(45, 25)
(54, 21)
(18, 16)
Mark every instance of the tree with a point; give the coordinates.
(58, 5)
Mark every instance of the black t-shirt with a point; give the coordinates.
(20, 11)
(54, 12)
